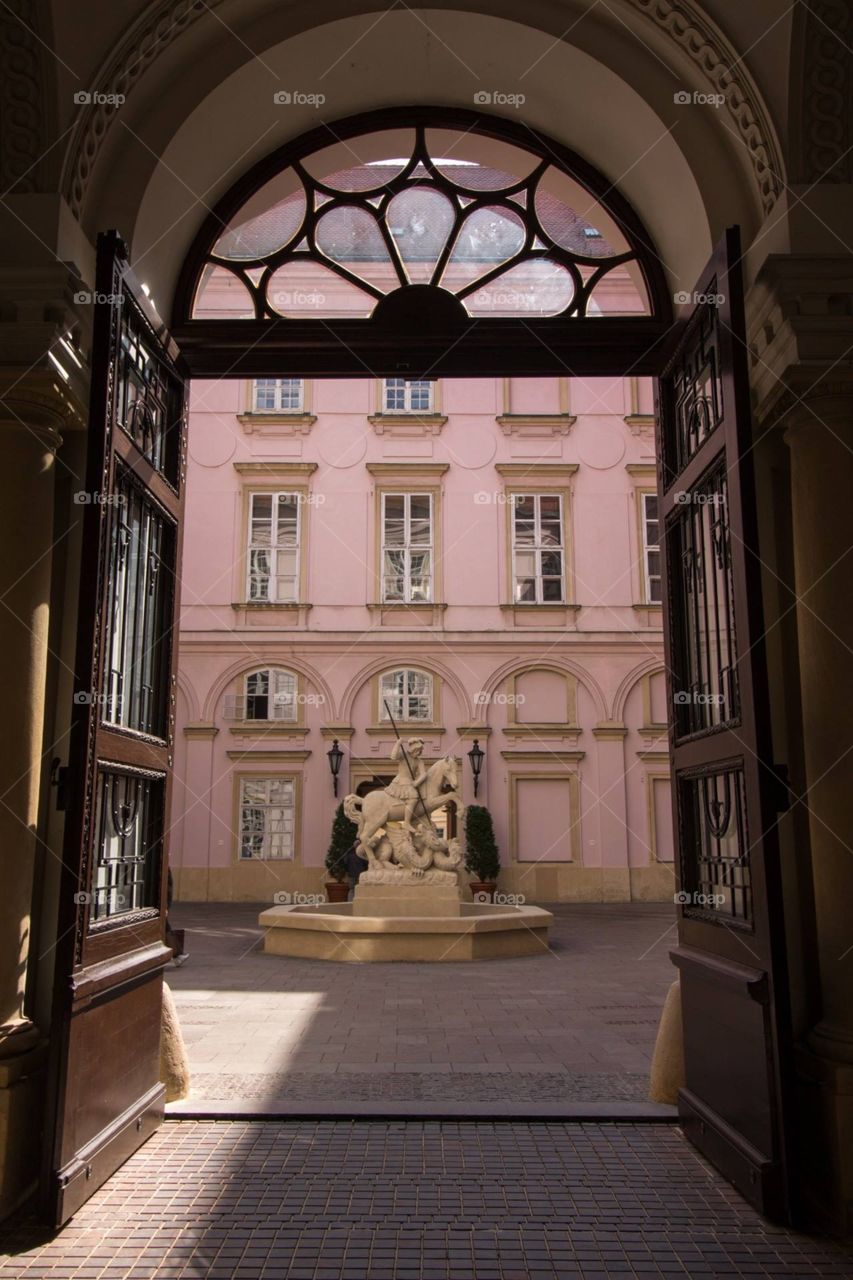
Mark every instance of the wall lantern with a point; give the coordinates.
(476, 756)
(335, 757)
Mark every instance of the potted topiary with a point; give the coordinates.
(344, 834)
(482, 860)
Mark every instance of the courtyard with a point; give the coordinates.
(576, 1026)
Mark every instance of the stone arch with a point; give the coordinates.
(186, 691)
(550, 663)
(111, 183)
(680, 33)
(649, 667)
(241, 668)
(431, 667)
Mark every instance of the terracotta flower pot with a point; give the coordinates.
(483, 890)
(337, 890)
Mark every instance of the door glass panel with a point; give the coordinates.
(705, 677)
(696, 390)
(149, 401)
(141, 584)
(715, 870)
(129, 835)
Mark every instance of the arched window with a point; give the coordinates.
(407, 693)
(268, 694)
(405, 229)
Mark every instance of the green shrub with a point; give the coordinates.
(482, 859)
(344, 833)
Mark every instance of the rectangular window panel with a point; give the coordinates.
(141, 591)
(128, 835)
(697, 386)
(651, 548)
(273, 551)
(149, 399)
(407, 535)
(705, 678)
(714, 850)
(267, 817)
(538, 553)
(271, 695)
(277, 395)
(405, 395)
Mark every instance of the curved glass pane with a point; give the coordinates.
(310, 290)
(257, 237)
(478, 163)
(351, 236)
(621, 292)
(487, 237)
(570, 229)
(420, 220)
(533, 288)
(221, 296)
(364, 163)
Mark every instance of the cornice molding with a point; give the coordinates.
(161, 24)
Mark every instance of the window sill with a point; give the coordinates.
(277, 422)
(548, 730)
(536, 425)
(650, 613)
(411, 728)
(271, 613)
(406, 615)
(543, 615)
(407, 425)
(267, 729)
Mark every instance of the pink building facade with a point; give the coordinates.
(480, 554)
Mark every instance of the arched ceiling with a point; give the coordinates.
(602, 79)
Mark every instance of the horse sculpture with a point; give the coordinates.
(372, 812)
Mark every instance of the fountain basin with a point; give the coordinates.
(332, 931)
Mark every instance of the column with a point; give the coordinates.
(820, 435)
(26, 532)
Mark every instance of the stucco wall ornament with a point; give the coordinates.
(827, 95)
(691, 31)
(22, 99)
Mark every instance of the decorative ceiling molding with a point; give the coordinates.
(716, 58)
(691, 31)
(22, 99)
(827, 92)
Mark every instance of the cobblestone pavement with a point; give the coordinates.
(416, 1200)
(576, 1024)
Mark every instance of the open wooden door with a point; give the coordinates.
(106, 1098)
(726, 792)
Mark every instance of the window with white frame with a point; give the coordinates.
(538, 550)
(651, 547)
(407, 546)
(273, 560)
(267, 817)
(277, 395)
(407, 395)
(270, 694)
(407, 693)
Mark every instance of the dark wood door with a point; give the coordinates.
(726, 793)
(106, 1097)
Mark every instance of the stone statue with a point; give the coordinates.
(395, 849)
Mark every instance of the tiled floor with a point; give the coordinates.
(577, 1024)
(421, 1200)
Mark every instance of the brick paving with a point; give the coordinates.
(576, 1024)
(416, 1200)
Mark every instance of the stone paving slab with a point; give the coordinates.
(578, 1023)
(416, 1200)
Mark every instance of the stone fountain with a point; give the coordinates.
(410, 903)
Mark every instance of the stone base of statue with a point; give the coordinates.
(408, 903)
(382, 894)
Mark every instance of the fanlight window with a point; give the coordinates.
(504, 230)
